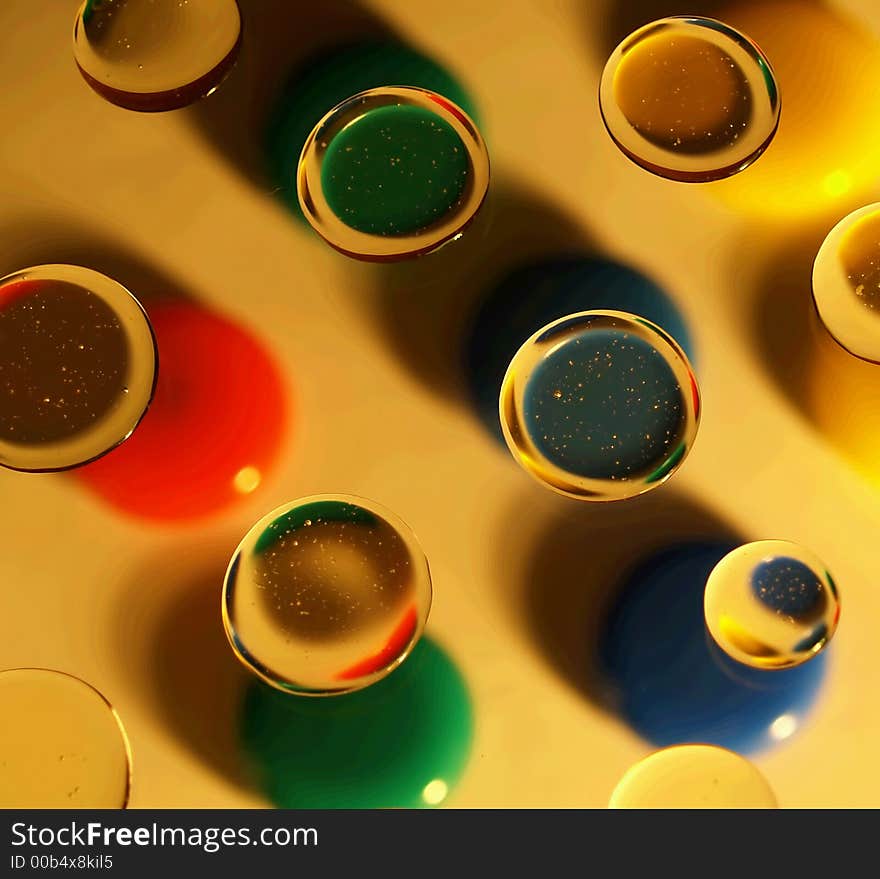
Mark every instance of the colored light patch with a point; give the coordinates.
(690, 99)
(394, 171)
(769, 605)
(220, 408)
(62, 744)
(326, 595)
(402, 743)
(599, 405)
(156, 56)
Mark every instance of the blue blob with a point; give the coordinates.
(534, 295)
(603, 405)
(674, 685)
(789, 587)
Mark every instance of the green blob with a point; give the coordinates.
(332, 77)
(325, 511)
(395, 170)
(375, 748)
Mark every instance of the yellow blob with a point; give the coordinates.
(693, 777)
(827, 68)
(690, 99)
(771, 604)
(326, 595)
(62, 745)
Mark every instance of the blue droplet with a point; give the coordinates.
(673, 685)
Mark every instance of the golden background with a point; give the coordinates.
(171, 199)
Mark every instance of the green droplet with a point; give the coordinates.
(395, 170)
(332, 77)
(400, 743)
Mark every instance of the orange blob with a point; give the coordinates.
(215, 426)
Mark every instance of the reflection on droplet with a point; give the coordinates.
(156, 55)
(690, 99)
(600, 406)
(693, 777)
(77, 366)
(393, 173)
(771, 604)
(326, 595)
(62, 746)
(846, 282)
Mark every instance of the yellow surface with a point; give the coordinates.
(135, 609)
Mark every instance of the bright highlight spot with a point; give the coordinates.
(837, 183)
(247, 480)
(784, 726)
(435, 792)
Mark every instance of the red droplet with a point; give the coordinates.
(395, 645)
(213, 430)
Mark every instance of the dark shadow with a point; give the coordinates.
(36, 241)
(575, 567)
(622, 17)
(278, 36)
(172, 644)
(785, 325)
(425, 306)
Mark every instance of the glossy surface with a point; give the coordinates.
(691, 99)
(673, 685)
(600, 406)
(392, 173)
(846, 282)
(325, 595)
(216, 426)
(332, 76)
(771, 604)
(401, 743)
(156, 55)
(693, 777)
(536, 293)
(77, 366)
(62, 745)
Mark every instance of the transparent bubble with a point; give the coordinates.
(326, 595)
(690, 99)
(693, 777)
(156, 55)
(600, 406)
(77, 366)
(62, 743)
(846, 282)
(392, 173)
(771, 604)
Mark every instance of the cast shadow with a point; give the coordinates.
(579, 562)
(425, 307)
(278, 37)
(173, 647)
(784, 323)
(33, 241)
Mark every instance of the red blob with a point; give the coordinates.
(397, 642)
(13, 291)
(213, 430)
